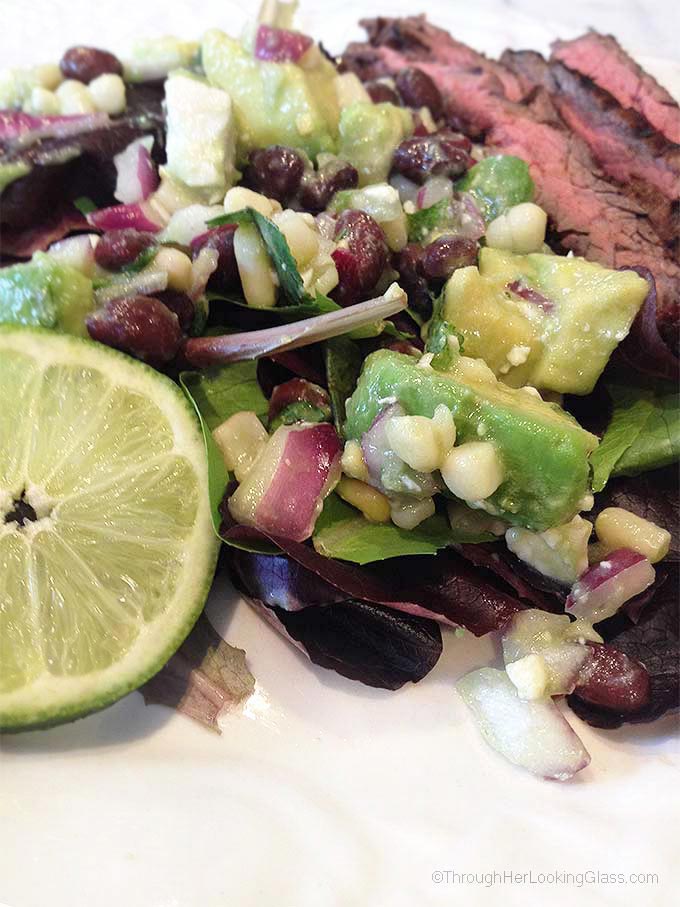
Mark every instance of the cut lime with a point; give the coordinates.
(106, 543)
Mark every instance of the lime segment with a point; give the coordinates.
(106, 543)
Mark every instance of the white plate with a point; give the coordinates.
(325, 793)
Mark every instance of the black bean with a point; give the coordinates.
(180, 304)
(318, 187)
(139, 325)
(417, 89)
(86, 63)
(445, 254)
(221, 239)
(408, 263)
(361, 256)
(381, 92)
(275, 171)
(442, 153)
(118, 249)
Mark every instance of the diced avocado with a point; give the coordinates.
(11, 172)
(44, 293)
(543, 450)
(497, 183)
(546, 320)
(274, 103)
(201, 137)
(369, 133)
(154, 58)
(560, 552)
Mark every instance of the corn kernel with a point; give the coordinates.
(74, 98)
(521, 229)
(472, 471)
(444, 428)
(177, 266)
(530, 676)
(618, 528)
(413, 439)
(108, 93)
(241, 439)
(239, 197)
(353, 463)
(254, 267)
(47, 75)
(42, 102)
(407, 514)
(371, 502)
(302, 239)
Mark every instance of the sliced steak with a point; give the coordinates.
(418, 41)
(602, 59)
(627, 148)
(591, 216)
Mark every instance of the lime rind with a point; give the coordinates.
(136, 635)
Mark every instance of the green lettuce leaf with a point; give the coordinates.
(643, 433)
(342, 532)
(343, 361)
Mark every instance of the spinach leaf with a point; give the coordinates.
(342, 532)
(280, 254)
(218, 475)
(343, 360)
(643, 434)
(219, 393)
(497, 183)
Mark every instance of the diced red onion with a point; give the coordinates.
(75, 251)
(121, 217)
(136, 176)
(541, 633)
(434, 190)
(205, 351)
(531, 295)
(374, 443)
(605, 586)
(471, 221)
(407, 189)
(202, 269)
(534, 735)
(325, 224)
(145, 283)
(284, 491)
(278, 45)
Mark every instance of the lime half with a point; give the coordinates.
(106, 543)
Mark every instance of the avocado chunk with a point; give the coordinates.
(369, 134)
(45, 293)
(546, 320)
(154, 58)
(201, 137)
(543, 450)
(274, 103)
(498, 183)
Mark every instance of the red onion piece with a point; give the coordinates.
(531, 295)
(613, 680)
(533, 735)
(471, 221)
(284, 492)
(136, 172)
(120, 217)
(374, 443)
(605, 586)
(278, 45)
(434, 190)
(76, 251)
(204, 351)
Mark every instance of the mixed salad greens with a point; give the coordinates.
(407, 396)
